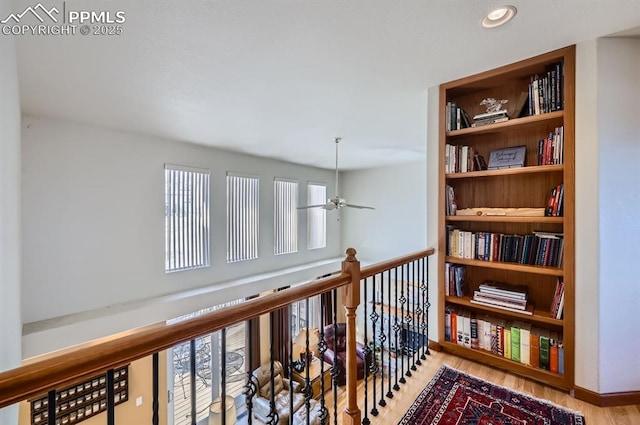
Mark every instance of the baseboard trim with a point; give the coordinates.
(434, 346)
(607, 399)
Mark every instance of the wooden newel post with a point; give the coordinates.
(351, 266)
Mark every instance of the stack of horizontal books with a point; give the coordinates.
(503, 296)
(490, 118)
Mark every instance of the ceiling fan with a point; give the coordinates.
(336, 202)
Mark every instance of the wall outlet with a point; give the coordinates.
(139, 401)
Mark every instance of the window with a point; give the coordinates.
(243, 200)
(186, 218)
(299, 315)
(316, 217)
(285, 226)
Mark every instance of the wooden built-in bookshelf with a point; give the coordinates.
(524, 187)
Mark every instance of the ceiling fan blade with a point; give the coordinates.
(362, 207)
(312, 206)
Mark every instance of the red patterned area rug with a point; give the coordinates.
(453, 397)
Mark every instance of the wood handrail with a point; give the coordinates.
(41, 376)
(71, 365)
(394, 262)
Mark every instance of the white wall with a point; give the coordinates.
(586, 215)
(10, 324)
(93, 218)
(619, 199)
(433, 125)
(397, 226)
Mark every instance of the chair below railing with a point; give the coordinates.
(217, 374)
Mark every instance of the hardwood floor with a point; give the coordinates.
(402, 400)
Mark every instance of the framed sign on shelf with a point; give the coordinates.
(507, 158)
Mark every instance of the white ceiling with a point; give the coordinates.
(281, 78)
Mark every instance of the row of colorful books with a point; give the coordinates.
(540, 248)
(455, 275)
(517, 341)
(462, 159)
(551, 148)
(545, 91)
(455, 117)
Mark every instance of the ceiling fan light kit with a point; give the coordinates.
(336, 202)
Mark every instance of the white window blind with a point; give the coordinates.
(243, 200)
(186, 218)
(285, 224)
(316, 217)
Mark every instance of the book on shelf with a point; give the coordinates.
(528, 311)
(551, 148)
(540, 248)
(456, 118)
(545, 91)
(557, 303)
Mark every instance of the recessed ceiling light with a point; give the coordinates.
(499, 16)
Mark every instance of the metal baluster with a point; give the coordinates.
(365, 419)
(291, 326)
(382, 338)
(192, 374)
(425, 291)
(51, 410)
(111, 405)
(407, 325)
(223, 374)
(155, 420)
(308, 391)
(334, 369)
(420, 310)
(396, 327)
(416, 322)
(389, 392)
(251, 387)
(403, 345)
(370, 354)
(322, 348)
(272, 417)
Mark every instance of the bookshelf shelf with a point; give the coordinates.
(551, 271)
(551, 378)
(538, 316)
(559, 168)
(503, 219)
(548, 138)
(516, 122)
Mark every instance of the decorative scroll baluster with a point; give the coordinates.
(322, 348)
(381, 338)
(365, 419)
(403, 340)
(334, 367)
(371, 354)
(272, 417)
(308, 391)
(391, 365)
(251, 387)
(416, 321)
(427, 304)
(420, 312)
(291, 371)
(396, 329)
(407, 321)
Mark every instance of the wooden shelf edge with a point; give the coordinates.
(541, 375)
(505, 219)
(510, 123)
(551, 271)
(507, 171)
(538, 316)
